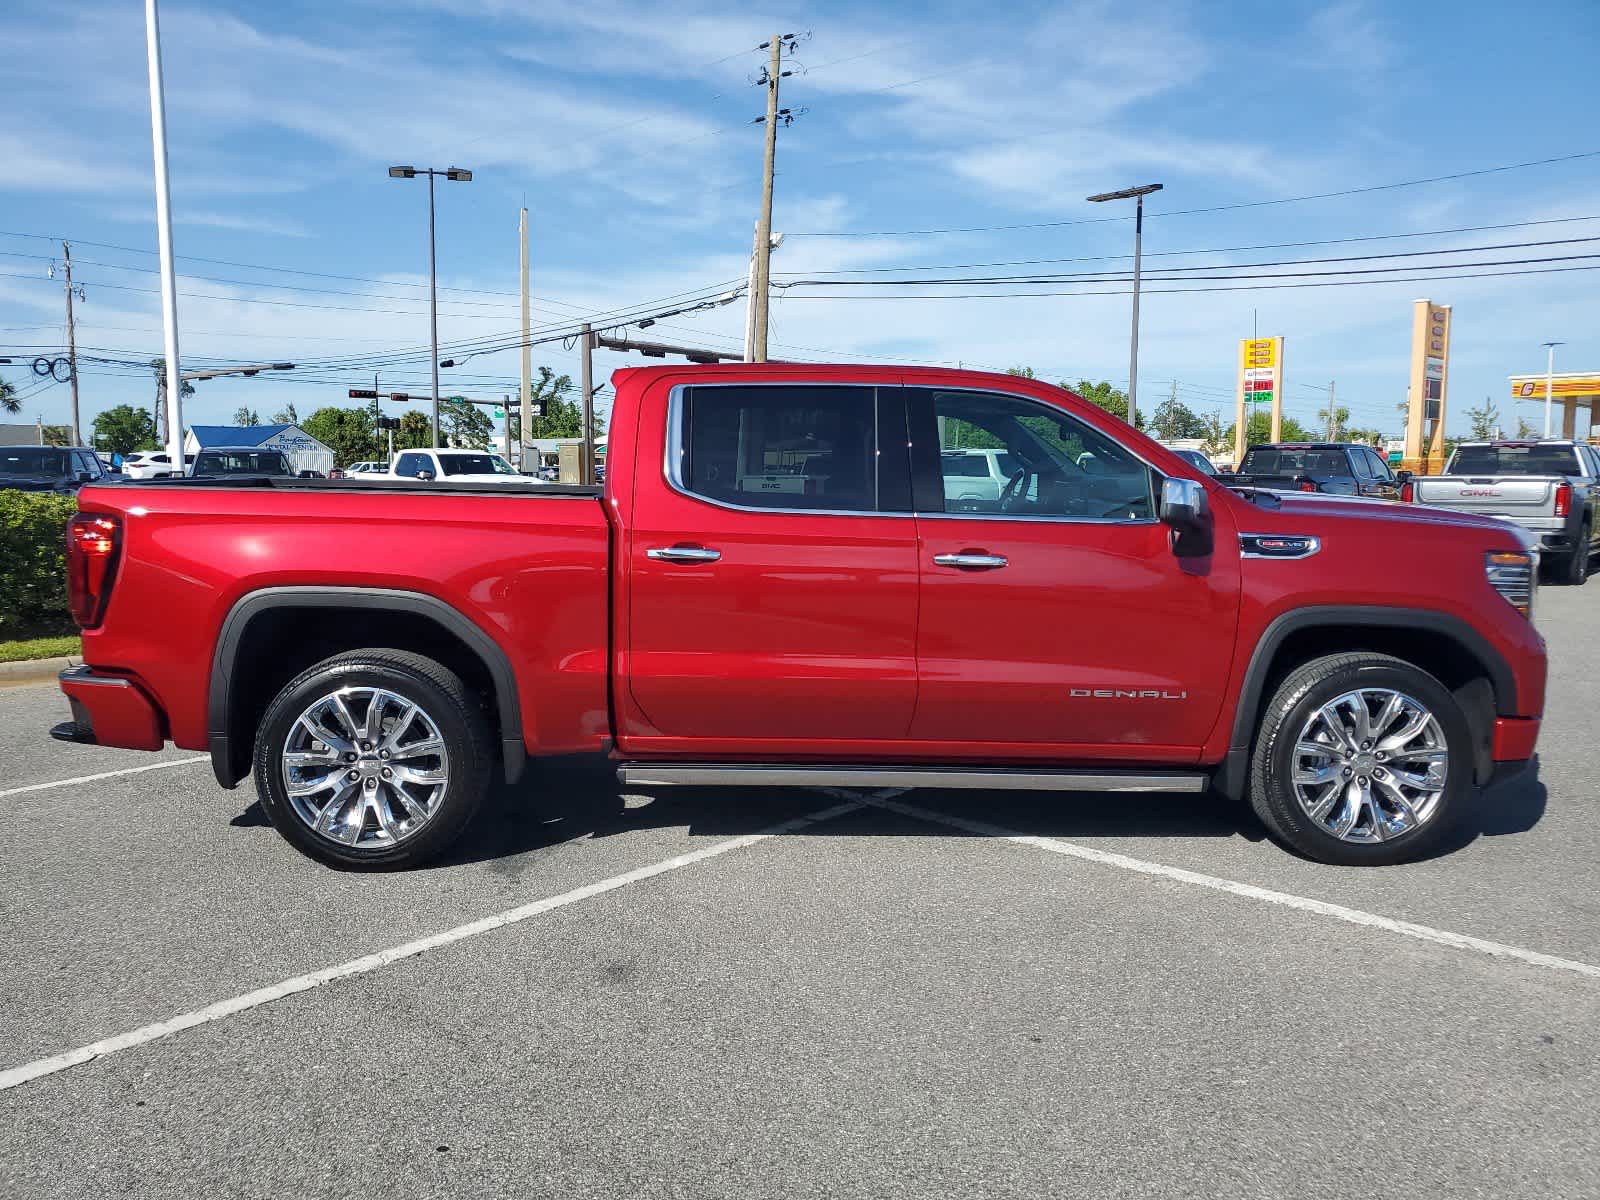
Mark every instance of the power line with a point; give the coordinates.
(1184, 212)
(1374, 237)
(1177, 274)
(1185, 291)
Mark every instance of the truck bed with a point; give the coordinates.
(528, 567)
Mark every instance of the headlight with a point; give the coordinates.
(1515, 575)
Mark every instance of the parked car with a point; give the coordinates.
(1334, 468)
(370, 467)
(243, 460)
(455, 466)
(851, 628)
(974, 479)
(1551, 489)
(548, 474)
(50, 468)
(151, 464)
(1195, 459)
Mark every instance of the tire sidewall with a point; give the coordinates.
(467, 774)
(1302, 832)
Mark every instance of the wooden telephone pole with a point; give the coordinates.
(759, 292)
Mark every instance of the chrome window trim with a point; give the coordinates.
(1313, 546)
(672, 457)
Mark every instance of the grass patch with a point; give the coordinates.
(46, 647)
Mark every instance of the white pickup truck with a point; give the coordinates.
(1551, 489)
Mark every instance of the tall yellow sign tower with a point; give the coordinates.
(1429, 388)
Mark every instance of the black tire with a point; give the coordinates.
(1308, 688)
(440, 694)
(1574, 570)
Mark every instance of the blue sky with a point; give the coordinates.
(626, 130)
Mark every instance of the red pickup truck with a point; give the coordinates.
(790, 579)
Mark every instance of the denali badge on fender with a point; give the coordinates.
(1126, 694)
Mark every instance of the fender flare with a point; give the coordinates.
(219, 740)
(1232, 775)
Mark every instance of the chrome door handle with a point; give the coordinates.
(971, 562)
(683, 554)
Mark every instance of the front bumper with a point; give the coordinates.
(108, 710)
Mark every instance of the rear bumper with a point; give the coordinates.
(108, 710)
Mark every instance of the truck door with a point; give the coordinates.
(772, 571)
(1059, 620)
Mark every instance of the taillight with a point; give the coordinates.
(1408, 492)
(92, 543)
(1307, 485)
(1563, 499)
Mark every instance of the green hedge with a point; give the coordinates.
(33, 567)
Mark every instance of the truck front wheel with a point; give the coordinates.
(372, 759)
(1362, 760)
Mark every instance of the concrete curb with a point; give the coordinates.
(35, 670)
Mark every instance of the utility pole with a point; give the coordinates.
(763, 260)
(1172, 411)
(586, 466)
(527, 354)
(72, 347)
(506, 437)
(1332, 411)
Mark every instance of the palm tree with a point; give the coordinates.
(9, 401)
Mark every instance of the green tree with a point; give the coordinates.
(124, 429)
(1174, 419)
(1259, 430)
(345, 431)
(415, 432)
(1484, 419)
(1334, 420)
(56, 435)
(1024, 372)
(286, 415)
(463, 423)
(1103, 395)
(1524, 430)
(246, 416)
(8, 397)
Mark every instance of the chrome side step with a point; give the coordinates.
(994, 778)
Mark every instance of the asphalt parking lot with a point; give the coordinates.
(797, 994)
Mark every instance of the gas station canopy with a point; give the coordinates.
(1569, 391)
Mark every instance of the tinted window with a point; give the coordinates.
(410, 464)
(1363, 467)
(29, 460)
(1380, 469)
(475, 464)
(958, 464)
(1284, 461)
(1058, 466)
(787, 447)
(1197, 460)
(241, 462)
(1531, 459)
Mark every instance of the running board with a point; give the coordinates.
(990, 778)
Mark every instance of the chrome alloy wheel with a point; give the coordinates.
(1370, 765)
(364, 767)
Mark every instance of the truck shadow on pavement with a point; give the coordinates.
(562, 802)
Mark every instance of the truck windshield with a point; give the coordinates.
(1282, 461)
(1515, 460)
(26, 460)
(475, 464)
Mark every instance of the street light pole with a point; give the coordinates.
(1549, 381)
(1136, 194)
(169, 274)
(459, 175)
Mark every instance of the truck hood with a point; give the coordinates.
(1309, 512)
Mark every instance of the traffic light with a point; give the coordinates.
(388, 422)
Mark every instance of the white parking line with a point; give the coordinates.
(1355, 916)
(55, 783)
(16, 1076)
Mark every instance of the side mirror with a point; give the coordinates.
(425, 475)
(85, 477)
(1185, 507)
(1402, 476)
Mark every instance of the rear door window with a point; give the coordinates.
(793, 447)
(409, 464)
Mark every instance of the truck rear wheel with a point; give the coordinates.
(1361, 760)
(1574, 569)
(372, 759)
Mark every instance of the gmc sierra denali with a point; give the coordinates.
(779, 584)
